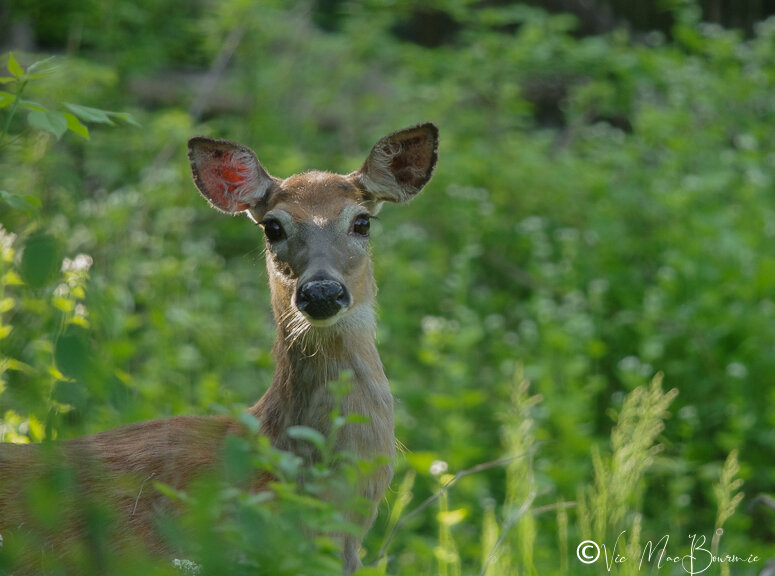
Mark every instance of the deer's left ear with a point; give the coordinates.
(399, 165)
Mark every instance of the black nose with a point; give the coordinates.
(321, 299)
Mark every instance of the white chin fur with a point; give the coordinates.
(326, 322)
(357, 317)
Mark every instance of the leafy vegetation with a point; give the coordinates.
(602, 214)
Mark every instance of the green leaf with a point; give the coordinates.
(27, 204)
(88, 114)
(72, 393)
(354, 418)
(6, 99)
(73, 354)
(30, 105)
(12, 364)
(63, 304)
(74, 125)
(11, 278)
(421, 461)
(34, 201)
(250, 422)
(125, 117)
(309, 434)
(50, 121)
(371, 571)
(40, 262)
(170, 492)
(13, 66)
(236, 458)
(7, 79)
(41, 68)
(452, 517)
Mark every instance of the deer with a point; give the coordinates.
(323, 296)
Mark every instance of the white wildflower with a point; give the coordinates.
(438, 467)
(187, 567)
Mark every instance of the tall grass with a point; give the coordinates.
(610, 504)
(613, 502)
(728, 497)
(512, 551)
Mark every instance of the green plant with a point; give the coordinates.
(728, 498)
(513, 549)
(39, 117)
(35, 280)
(602, 212)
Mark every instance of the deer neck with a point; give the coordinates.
(311, 363)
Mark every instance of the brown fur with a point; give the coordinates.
(316, 210)
(116, 468)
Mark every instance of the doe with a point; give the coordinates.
(322, 284)
(316, 226)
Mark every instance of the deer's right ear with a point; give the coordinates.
(228, 174)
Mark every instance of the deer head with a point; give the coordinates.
(316, 223)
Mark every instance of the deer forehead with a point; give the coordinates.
(316, 197)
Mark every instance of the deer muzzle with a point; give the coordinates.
(321, 299)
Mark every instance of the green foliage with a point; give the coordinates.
(513, 550)
(602, 211)
(38, 116)
(612, 506)
(46, 292)
(617, 484)
(727, 499)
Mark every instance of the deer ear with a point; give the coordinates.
(228, 174)
(400, 164)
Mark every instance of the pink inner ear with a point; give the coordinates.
(233, 176)
(228, 178)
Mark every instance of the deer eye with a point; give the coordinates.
(273, 229)
(361, 225)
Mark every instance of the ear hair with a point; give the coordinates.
(400, 164)
(227, 174)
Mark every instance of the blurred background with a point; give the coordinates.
(603, 212)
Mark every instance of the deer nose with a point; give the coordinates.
(322, 298)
